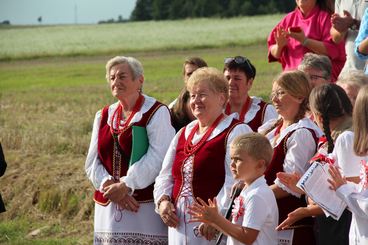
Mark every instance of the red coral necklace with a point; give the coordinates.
(116, 126)
(189, 148)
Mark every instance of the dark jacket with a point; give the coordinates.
(2, 171)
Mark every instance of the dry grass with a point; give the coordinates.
(47, 108)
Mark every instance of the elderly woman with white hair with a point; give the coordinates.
(122, 172)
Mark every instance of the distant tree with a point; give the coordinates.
(161, 9)
(142, 10)
(39, 19)
(180, 9)
(120, 18)
(5, 22)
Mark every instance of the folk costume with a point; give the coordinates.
(255, 112)
(329, 230)
(108, 159)
(293, 149)
(197, 165)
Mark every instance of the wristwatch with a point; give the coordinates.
(355, 25)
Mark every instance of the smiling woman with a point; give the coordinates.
(124, 209)
(197, 163)
(294, 138)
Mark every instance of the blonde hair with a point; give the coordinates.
(297, 85)
(254, 144)
(360, 122)
(213, 77)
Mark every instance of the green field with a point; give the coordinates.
(52, 83)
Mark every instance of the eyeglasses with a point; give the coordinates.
(240, 60)
(315, 77)
(278, 94)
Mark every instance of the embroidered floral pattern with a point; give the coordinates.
(364, 174)
(238, 208)
(115, 238)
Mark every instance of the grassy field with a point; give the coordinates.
(71, 40)
(47, 107)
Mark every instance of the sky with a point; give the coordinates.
(27, 12)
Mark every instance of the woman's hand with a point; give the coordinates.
(299, 36)
(293, 217)
(168, 213)
(129, 203)
(207, 231)
(290, 181)
(342, 23)
(115, 192)
(281, 36)
(336, 179)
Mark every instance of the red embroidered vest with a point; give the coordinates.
(106, 152)
(208, 166)
(289, 203)
(257, 121)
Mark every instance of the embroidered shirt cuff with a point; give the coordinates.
(103, 182)
(285, 188)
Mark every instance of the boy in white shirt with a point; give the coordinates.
(255, 213)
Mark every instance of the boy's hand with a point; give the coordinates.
(201, 212)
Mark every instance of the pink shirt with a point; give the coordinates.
(316, 26)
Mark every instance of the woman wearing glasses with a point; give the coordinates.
(240, 74)
(294, 139)
(306, 29)
(197, 163)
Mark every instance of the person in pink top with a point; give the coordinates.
(306, 29)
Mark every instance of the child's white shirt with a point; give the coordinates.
(256, 208)
(344, 155)
(357, 201)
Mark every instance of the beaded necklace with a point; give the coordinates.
(189, 148)
(116, 129)
(244, 109)
(116, 126)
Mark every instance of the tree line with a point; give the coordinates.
(181, 9)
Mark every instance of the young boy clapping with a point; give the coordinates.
(255, 213)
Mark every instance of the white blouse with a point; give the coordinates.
(357, 200)
(344, 155)
(270, 112)
(301, 146)
(143, 172)
(164, 181)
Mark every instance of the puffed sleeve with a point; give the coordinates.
(160, 133)
(357, 202)
(225, 192)
(301, 147)
(270, 113)
(345, 157)
(164, 181)
(95, 171)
